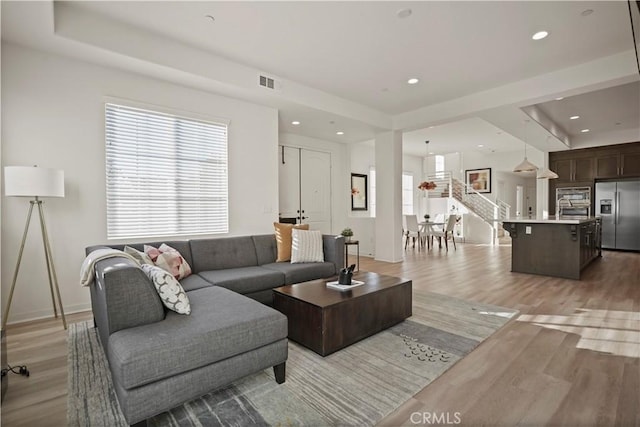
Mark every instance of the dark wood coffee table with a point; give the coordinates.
(326, 320)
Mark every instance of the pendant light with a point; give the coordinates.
(546, 173)
(525, 165)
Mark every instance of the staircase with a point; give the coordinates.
(490, 212)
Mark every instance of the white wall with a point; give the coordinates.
(453, 165)
(362, 158)
(53, 116)
(501, 165)
(510, 181)
(476, 230)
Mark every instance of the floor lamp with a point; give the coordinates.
(35, 182)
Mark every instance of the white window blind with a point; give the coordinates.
(166, 175)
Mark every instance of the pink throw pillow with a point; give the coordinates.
(169, 259)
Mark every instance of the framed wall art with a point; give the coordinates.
(359, 200)
(478, 180)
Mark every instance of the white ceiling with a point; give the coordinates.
(344, 65)
(472, 134)
(598, 111)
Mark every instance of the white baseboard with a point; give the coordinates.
(45, 314)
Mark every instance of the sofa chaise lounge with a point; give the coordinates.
(160, 359)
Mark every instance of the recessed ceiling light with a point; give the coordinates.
(480, 145)
(412, 81)
(540, 35)
(431, 127)
(584, 130)
(339, 133)
(586, 12)
(430, 152)
(403, 13)
(295, 123)
(574, 117)
(560, 98)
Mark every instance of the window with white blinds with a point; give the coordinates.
(166, 175)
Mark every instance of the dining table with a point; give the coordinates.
(426, 230)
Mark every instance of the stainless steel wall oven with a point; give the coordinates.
(573, 202)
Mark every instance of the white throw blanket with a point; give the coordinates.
(87, 271)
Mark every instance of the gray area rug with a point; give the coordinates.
(358, 385)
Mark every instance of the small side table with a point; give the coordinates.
(346, 253)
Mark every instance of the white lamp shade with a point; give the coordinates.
(525, 166)
(547, 174)
(33, 181)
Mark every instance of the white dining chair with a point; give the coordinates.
(411, 229)
(446, 233)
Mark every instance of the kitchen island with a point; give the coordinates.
(553, 247)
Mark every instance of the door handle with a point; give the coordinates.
(617, 207)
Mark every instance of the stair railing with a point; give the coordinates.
(493, 213)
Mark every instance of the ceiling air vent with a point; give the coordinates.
(267, 82)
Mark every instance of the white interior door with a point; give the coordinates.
(289, 182)
(315, 189)
(305, 187)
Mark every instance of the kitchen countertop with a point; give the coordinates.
(550, 220)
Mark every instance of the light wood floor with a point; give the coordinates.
(571, 358)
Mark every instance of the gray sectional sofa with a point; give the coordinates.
(160, 359)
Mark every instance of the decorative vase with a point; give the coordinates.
(347, 239)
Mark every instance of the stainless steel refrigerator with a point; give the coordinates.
(618, 203)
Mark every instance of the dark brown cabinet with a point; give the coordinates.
(563, 169)
(607, 166)
(630, 164)
(574, 170)
(583, 170)
(589, 242)
(619, 165)
(583, 167)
